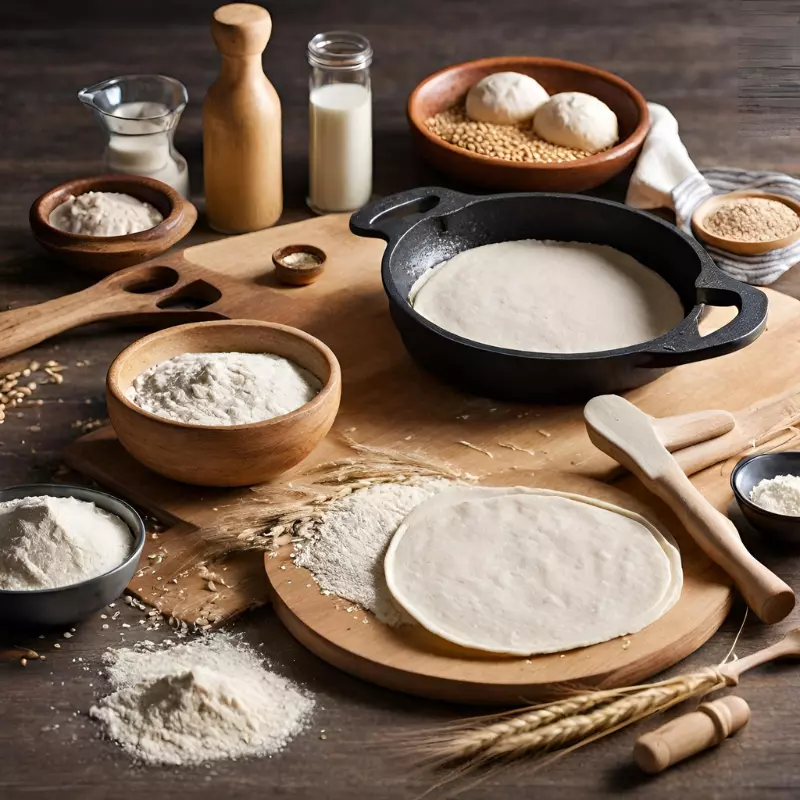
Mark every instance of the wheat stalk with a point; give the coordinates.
(569, 723)
(274, 516)
(471, 738)
(582, 728)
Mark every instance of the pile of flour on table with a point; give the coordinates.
(47, 542)
(207, 700)
(223, 388)
(346, 549)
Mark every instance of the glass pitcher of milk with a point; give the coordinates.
(340, 122)
(139, 114)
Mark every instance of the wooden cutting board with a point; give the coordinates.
(389, 402)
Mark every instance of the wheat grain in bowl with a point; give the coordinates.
(509, 115)
(515, 157)
(510, 142)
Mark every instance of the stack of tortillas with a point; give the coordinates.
(525, 571)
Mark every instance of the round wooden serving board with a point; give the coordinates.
(409, 659)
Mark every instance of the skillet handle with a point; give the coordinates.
(390, 217)
(684, 344)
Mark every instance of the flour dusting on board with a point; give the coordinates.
(346, 549)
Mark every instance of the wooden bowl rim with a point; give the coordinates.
(631, 142)
(741, 246)
(177, 206)
(329, 388)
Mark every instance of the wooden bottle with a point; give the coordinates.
(242, 126)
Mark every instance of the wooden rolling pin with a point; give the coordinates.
(691, 733)
(627, 434)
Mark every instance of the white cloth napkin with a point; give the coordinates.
(666, 177)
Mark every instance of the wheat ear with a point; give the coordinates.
(273, 516)
(470, 738)
(583, 728)
(567, 723)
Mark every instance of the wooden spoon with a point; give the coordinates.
(788, 647)
(711, 722)
(627, 434)
(745, 248)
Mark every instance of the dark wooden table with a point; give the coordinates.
(697, 58)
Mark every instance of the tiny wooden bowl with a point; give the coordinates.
(106, 254)
(446, 88)
(300, 274)
(218, 455)
(734, 246)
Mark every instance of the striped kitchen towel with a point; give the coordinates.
(666, 177)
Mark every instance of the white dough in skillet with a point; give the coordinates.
(548, 297)
(525, 571)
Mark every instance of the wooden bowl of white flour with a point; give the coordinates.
(108, 253)
(223, 403)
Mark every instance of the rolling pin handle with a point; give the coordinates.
(690, 734)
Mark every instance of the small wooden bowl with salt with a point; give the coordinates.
(741, 244)
(298, 264)
(107, 254)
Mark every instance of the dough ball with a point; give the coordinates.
(505, 98)
(577, 120)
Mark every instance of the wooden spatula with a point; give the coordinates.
(627, 434)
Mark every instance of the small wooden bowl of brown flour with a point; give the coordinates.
(106, 204)
(223, 403)
(748, 222)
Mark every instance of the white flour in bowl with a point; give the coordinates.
(780, 495)
(104, 214)
(47, 542)
(208, 700)
(223, 388)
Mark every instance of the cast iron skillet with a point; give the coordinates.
(428, 225)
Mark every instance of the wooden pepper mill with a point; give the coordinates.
(690, 734)
(242, 126)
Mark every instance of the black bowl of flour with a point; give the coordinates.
(45, 608)
(749, 473)
(425, 227)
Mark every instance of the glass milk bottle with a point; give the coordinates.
(340, 122)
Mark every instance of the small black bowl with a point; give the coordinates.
(751, 471)
(45, 608)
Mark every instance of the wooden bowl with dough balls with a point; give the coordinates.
(223, 455)
(449, 87)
